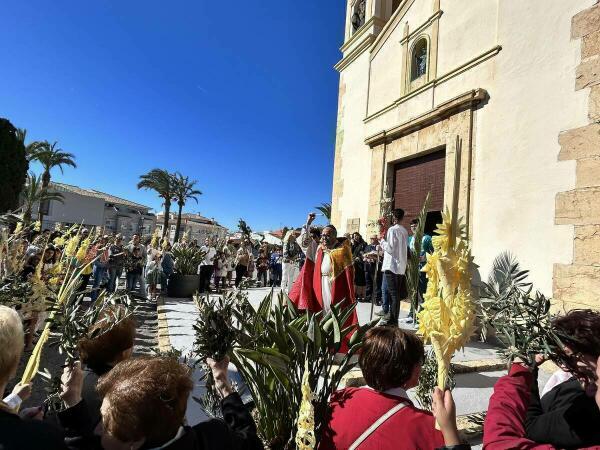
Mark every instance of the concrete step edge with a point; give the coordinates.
(354, 378)
(164, 340)
(479, 365)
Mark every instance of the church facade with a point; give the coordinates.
(491, 105)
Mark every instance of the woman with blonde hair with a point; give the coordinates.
(19, 432)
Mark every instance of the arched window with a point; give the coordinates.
(419, 59)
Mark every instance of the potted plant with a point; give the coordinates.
(185, 281)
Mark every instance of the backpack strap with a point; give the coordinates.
(376, 425)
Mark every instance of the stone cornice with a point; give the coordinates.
(439, 80)
(391, 24)
(418, 30)
(466, 100)
(358, 50)
(373, 21)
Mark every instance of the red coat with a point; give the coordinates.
(504, 424)
(353, 410)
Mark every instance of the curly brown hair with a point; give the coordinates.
(389, 356)
(147, 399)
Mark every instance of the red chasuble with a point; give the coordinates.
(306, 292)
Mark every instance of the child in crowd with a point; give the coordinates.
(220, 271)
(154, 274)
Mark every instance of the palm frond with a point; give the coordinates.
(505, 276)
(158, 180)
(522, 319)
(244, 229)
(413, 269)
(51, 156)
(325, 209)
(34, 193)
(184, 189)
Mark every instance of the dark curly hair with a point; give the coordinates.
(579, 330)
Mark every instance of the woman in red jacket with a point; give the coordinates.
(566, 417)
(380, 416)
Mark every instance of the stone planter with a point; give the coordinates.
(182, 286)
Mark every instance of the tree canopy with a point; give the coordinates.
(13, 169)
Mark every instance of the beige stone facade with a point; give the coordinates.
(516, 87)
(578, 284)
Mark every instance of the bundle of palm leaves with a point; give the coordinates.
(72, 321)
(14, 292)
(271, 348)
(413, 269)
(521, 318)
(216, 333)
(245, 229)
(428, 380)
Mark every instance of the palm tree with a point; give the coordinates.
(29, 148)
(325, 208)
(160, 181)
(183, 190)
(50, 156)
(33, 193)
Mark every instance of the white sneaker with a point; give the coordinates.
(406, 320)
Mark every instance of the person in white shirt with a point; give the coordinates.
(395, 247)
(207, 267)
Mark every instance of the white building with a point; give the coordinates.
(96, 209)
(493, 104)
(199, 227)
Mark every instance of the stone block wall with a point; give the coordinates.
(577, 285)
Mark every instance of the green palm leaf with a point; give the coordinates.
(325, 209)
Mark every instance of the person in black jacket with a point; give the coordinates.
(17, 432)
(144, 402)
(568, 416)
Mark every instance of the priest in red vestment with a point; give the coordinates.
(327, 276)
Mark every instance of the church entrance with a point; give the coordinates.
(413, 179)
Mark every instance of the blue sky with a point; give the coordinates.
(240, 95)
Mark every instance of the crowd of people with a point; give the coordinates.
(106, 261)
(143, 267)
(281, 265)
(112, 400)
(227, 264)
